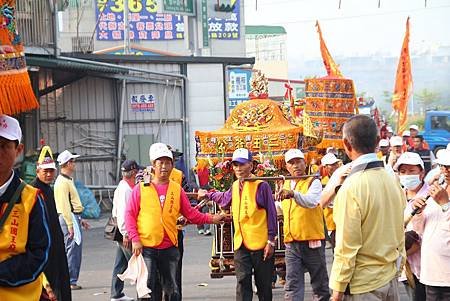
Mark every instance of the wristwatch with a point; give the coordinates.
(445, 207)
(336, 189)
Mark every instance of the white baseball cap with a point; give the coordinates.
(65, 157)
(389, 129)
(444, 158)
(410, 159)
(329, 159)
(293, 153)
(414, 127)
(159, 150)
(396, 141)
(242, 155)
(383, 143)
(10, 128)
(406, 133)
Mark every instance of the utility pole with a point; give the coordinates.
(126, 29)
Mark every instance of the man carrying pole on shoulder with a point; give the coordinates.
(255, 221)
(304, 231)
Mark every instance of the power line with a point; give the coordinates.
(354, 16)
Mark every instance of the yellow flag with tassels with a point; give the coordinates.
(16, 93)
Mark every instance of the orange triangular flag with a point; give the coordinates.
(330, 65)
(403, 84)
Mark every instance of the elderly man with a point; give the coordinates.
(122, 194)
(69, 208)
(151, 218)
(24, 235)
(304, 231)
(255, 223)
(434, 225)
(57, 283)
(368, 212)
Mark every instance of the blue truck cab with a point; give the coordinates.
(437, 129)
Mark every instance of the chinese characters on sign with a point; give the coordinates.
(254, 142)
(226, 29)
(142, 102)
(179, 6)
(238, 86)
(145, 23)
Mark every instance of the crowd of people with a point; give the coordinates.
(385, 213)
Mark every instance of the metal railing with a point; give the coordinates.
(35, 23)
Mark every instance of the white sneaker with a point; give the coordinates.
(207, 233)
(201, 232)
(124, 298)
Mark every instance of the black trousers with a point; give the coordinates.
(437, 293)
(251, 262)
(162, 266)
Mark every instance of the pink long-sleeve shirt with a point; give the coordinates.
(134, 206)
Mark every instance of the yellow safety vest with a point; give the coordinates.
(328, 212)
(13, 240)
(153, 220)
(250, 222)
(176, 175)
(300, 223)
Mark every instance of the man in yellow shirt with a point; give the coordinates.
(69, 208)
(368, 212)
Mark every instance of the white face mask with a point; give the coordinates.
(410, 182)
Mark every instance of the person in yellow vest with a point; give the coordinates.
(331, 164)
(151, 217)
(255, 224)
(24, 231)
(304, 231)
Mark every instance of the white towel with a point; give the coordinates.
(137, 273)
(76, 230)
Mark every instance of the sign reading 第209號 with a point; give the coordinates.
(145, 22)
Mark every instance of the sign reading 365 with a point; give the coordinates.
(134, 6)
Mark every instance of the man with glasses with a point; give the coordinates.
(69, 208)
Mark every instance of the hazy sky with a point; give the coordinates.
(359, 27)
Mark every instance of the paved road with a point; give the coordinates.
(98, 259)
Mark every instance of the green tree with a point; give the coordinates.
(427, 98)
(387, 97)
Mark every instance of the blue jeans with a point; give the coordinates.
(73, 251)
(298, 257)
(162, 266)
(120, 265)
